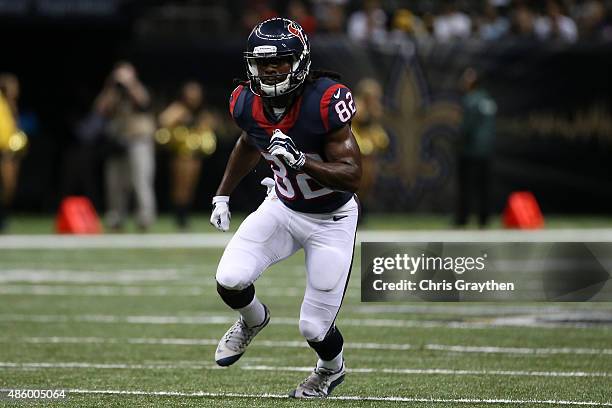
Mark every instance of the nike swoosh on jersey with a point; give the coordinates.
(339, 217)
(337, 94)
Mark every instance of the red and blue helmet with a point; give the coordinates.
(277, 38)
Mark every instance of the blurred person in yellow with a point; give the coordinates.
(369, 132)
(406, 24)
(130, 166)
(12, 142)
(188, 131)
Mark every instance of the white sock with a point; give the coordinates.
(333, 364)
(254, 313)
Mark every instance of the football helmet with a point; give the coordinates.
(277, 39)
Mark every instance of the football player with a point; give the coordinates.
(298, 121)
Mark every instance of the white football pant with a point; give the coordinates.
(274, 232)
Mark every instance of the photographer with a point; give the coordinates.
(130, 163)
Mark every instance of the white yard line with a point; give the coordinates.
(191, 342)
(301, 344)
(112, 241)
(525, 322)
(201, 276)
(517, 350)
(140, 282)
(141, 285)
(205, 394)
(486, 309)
(126, 291)
(364, 370)
(117, 276)
(219, 240)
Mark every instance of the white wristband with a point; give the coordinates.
(220, 199)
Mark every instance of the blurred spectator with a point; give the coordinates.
(555, 24)
(475, 150)
(130, 166)
(330, 15)
(523, 20)
(369, 132)
(368, 24)
(493, 26)
(452, 24)
(12, 143)
(428, 21)
(499, 3)
(256, 11)
(297, 11)
(405, 23)
(593, 21)
(188, 130)
(335, 20)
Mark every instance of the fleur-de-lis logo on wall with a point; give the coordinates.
(423, 132)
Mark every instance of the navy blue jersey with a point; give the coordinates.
(323, 107)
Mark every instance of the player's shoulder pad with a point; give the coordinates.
(336, 106)
(237, 102)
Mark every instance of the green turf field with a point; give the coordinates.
(141, 324)
(37, 224)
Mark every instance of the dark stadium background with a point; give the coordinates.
(62, 58)
(128, 318)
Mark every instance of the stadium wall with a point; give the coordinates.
(554, 122)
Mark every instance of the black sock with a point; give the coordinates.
(328, 348)
(236, 299)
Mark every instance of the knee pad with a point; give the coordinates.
(312, 331)
(232, 277)
(316, 318)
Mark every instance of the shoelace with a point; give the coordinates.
(317, 381)
(239, 335)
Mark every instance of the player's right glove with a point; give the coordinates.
(221, 215)
(281, 145)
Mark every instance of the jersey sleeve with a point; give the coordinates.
(236, 104)
(337, 107)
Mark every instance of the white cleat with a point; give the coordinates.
(320, 383)
(234, 342)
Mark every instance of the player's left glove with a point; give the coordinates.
(221, 215)
(281, 145)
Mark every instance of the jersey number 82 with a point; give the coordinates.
(289, 185)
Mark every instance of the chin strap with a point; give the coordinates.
(276, 90)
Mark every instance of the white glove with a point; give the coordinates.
(269, 184)
(281, 145)
(221, 215)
